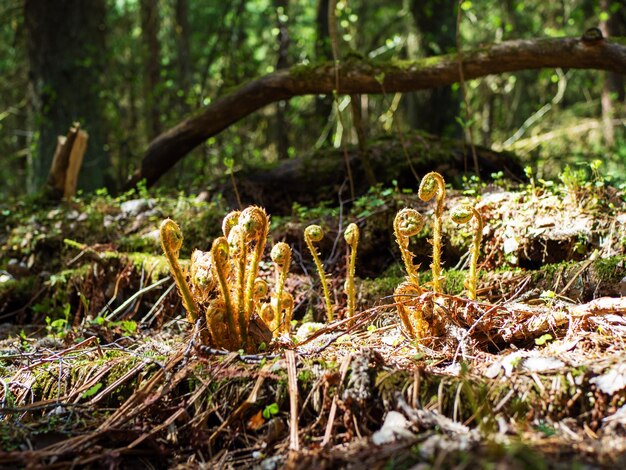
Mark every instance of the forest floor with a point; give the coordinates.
(99, 366)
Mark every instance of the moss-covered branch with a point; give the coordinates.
(362, 76)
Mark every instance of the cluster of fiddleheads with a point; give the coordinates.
(223, 283)
(408, 223)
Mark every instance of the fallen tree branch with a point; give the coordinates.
(591, 51)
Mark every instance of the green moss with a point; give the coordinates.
(612, 268)
(372, 290)
(454, 281)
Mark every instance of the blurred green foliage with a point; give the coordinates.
(550, 117)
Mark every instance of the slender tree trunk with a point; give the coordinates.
(437, 108)
(183, 48)
(282, 125)
(152, 64)
(323, 52)
(613, 88)
(66, 52)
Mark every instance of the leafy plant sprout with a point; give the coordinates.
(171, 242)
(462, 215)
(433, 185)
(219, 252)
(255, 223)
(281, 256)
(313, 234)
(222, 284)
(407, 223)
(351, 235)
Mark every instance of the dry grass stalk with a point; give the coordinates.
(294, 443)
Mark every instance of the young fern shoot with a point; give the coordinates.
(314, 233)
(255, 225)
(462, 215)
(433, 185)
(351, 235)
(219, 252)
(171, 242)
(281, 256)
(407, 223)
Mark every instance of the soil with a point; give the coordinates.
(100, 367)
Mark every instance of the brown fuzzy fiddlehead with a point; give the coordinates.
(171, 242)
(313, 234)
(201, 275)
(433, 185)
(408, 223)
(281, 256)
(404, 296)
(255, 224)
(229, 222)
(237, 251)
(351, 235)
(462, 215)
(219, 252)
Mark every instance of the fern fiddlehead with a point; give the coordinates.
(462, 215)
(313, 234)
(219, 252)
(255, 225)
(408, 223)
(351, 235)
(433, 185)
(281, 256)
(171, 242)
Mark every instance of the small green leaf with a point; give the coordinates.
(92, 390)
(543, 339)
(271, 410)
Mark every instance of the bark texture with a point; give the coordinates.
(359, 76)
(65, 42)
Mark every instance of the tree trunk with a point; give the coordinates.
(65, 41)
(311, 178)
(152, 64)
(282, 129)
(613, 88)
(437, 109)
(184, 54)
(323, 52)
(588, 52)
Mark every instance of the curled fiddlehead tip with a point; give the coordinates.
(314, 233)
(462, 214)
(408, 222)
(432, 184)
(172, 241)
(254, 221)
(219, 251)
(261, 289)
(235, 239)
(229, 222)
(281, 253)
(171, 236)
(351, 235)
